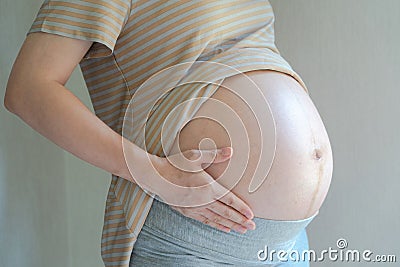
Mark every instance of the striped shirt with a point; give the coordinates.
(141, 48)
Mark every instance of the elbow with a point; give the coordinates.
(9, 102)
(15, 95)
(10, 99)
(15, 91)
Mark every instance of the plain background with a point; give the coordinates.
(347, 52)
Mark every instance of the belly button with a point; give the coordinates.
(317, 154)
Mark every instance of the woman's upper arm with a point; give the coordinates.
(43, 57)
(64, 32)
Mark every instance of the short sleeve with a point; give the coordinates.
(93, 20)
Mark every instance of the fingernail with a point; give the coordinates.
(241, 229)
(250, 225)
(248, 215)
(226, 151)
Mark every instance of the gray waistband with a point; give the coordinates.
(277, 235)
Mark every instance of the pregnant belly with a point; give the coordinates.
(300, 171)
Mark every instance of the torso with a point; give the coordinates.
(301, 171)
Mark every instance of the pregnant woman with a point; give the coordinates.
(217, 152)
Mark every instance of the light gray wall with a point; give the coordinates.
(347, 53)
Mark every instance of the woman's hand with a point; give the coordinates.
(36, 93)
(195, 194)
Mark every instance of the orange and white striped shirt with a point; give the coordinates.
(134, 40)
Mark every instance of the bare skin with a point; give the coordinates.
(37, 94)
(299, 178)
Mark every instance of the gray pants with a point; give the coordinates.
(170, 239)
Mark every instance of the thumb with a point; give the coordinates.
(216, 156)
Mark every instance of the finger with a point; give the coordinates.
(231, 215)
(233, 201)
(216, 156)
(210, 222)
(217, 218)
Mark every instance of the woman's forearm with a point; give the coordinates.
(56, 113)
(36, 93)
